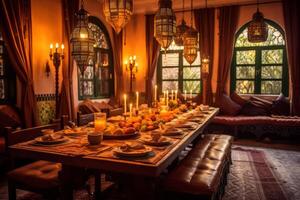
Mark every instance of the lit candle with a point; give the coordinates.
(51, 47)
(62, 49)
(130, 110)
(56, 46)
(185, 95)
(191, 94)
(150, 111)
(175, 95)
(164, 97)
(167, 98)
(172, 95)
(155, 93)
(137, 100)
(134, 57)
(125, 106)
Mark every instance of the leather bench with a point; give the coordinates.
(202, 174)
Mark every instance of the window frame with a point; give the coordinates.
(258, 63)
(109, 51)
(180, 67)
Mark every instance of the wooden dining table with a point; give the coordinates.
(142, 170)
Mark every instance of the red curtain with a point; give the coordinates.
(15, 17)
(152, 51)
(292, 30)
(205, 24)
(66, 106)
(228, 20)
(118, 63)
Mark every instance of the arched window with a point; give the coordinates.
(175, 73)
(98, 78)
(260, 68)
(7, 77)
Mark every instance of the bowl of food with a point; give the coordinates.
(94, 138)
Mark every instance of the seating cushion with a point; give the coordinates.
(227, 106)
(200, 172)
(281, 106)
(2, 145)
(257, 120)
(252, 109)
(238, 99)
(87, 107)
(38, 175)
(9, 116)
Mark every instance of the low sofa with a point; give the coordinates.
(262, 116)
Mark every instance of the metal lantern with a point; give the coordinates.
(165, 24)
(118, 13)
(257, 29)
(82, 41)
(180, 30)
(190, 43)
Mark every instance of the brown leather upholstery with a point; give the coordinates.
(200, 173)
(38, 175)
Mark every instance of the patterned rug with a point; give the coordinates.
(256, 174)
(263, 174)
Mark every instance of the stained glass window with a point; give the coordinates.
(260, 68)
(174, 72)
(98, 79)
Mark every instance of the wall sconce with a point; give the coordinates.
(132, 67)
(56, 57)
(205, 65)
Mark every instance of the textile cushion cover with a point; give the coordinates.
(256, 107)
(281, 106)
(258, 120)
(238, 99)
(228, 106)
(9, 117)
(39, 175)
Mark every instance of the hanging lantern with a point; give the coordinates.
(180, 30)
(118, 13)
(82, 41)
(190, 43)
(257, 28)
(165, 24)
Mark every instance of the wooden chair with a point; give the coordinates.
(40, 176)
(84, 119)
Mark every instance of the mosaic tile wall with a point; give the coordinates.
(46, 107)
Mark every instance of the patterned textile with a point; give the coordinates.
(262, 174)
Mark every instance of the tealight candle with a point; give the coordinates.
(185, 95)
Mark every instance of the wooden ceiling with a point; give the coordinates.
(150, 6)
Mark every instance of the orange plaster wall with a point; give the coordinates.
(46, 29)
(136, 45)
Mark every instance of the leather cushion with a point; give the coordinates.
(2, 145)
(38, 175)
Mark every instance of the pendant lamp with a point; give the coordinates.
(118, 13)
(82, 40)
(258, 28)
(165, 24)
(180, 30)
(190, 41)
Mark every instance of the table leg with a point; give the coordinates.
(66, 186)
(97, 175)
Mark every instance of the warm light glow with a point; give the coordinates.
(51, 46)
(130, 110)
(134, 57)
(62, 46)
(125, 62)
(83, 35)
(125, 106)
(137, 100)
(56, 45)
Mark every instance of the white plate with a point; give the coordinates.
(135, 153)
(60, 140)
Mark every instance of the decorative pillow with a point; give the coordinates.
(9, 116)
(250, 109)
(103, 105)
(238, 99)
(87, 106)
(281, 106)
(227, 106)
